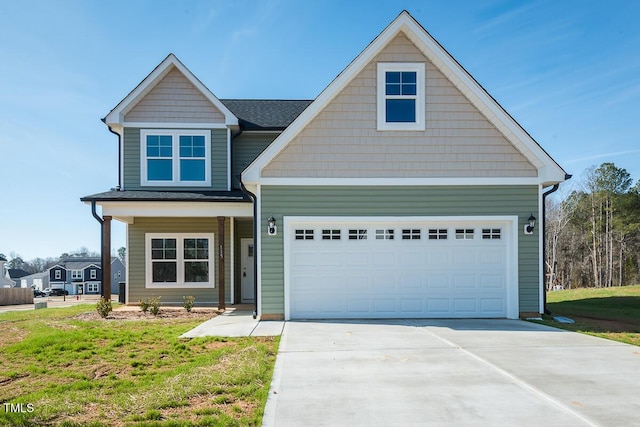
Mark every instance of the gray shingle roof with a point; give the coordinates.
(168, 196)
(266, 114)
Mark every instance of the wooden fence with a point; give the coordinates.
(15, 296)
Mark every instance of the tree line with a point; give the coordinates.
(593, 233)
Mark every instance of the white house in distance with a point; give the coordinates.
(5, 281)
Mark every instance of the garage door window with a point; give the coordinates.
(357, 234)
(384, 234)
(491, 234)
(438, 234)
(304, 234)
(411, 234)
(464, 233)
(331, 234)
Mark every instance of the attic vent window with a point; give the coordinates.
(401, 98)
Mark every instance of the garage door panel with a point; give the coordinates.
(411, 275)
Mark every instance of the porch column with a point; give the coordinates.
(221, 303)
(106, 257)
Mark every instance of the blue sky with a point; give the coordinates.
(568, 71)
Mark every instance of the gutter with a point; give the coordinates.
(101, 221)
(544, 237)
(255, 242)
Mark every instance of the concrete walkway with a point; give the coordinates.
(235, 323)
(450, 373)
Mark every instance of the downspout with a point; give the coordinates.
(119, 155)
(101, 221)
(544, 239)
(255, 242)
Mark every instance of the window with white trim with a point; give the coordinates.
(438, 234)
(464, 233)
(92, 287)
(400, 96)
(179, 260)
(93, 274)
(491, 234)
(302, 234)
(175, 157)
(411, 234)
(76, 274)
(358, 234)
(57, 274)
(331, 234)
(384, 234)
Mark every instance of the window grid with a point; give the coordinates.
(357, 234)
(438, 234)
(331, 234)
(411, 234)
(384, 234)
(491, 234)
(464, 233)
(304, 234)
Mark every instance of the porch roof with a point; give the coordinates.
(168, 196)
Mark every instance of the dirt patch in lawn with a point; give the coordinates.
(128, 313)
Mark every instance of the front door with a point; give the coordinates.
(246, 265)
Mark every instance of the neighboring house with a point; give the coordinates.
(5, 280)
(38, 281)
(16, 274)
(83, 275)
(403, 190)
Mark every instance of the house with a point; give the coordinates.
(38, 281)
(84, 275)
(403, 190)
(5, 280)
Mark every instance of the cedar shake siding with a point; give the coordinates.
(174, 100)
(342, 141)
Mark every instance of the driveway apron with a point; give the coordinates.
(450, 372)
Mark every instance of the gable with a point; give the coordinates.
(342, 140)
(495, 126)
(175, 99)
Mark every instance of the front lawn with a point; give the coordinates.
(58, 368)
(612, 313)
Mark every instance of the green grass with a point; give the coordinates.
(612, 313)
(96, 372)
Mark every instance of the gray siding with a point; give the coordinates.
(245, 149)
(136, 248)
(394, 201)
(131, 165)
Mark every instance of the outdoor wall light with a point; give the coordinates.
(530, 225)
(272, 230)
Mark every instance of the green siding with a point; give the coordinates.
(136, 249)
(245, 149)
(131, 164)
(282, 201)
(243, 229)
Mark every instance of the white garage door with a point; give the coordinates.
(394, 268)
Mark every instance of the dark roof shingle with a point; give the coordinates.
(168, 196)
(266, 114)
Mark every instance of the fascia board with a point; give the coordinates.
(116, 116)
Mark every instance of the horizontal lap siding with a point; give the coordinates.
(394, 201)
(131, 164)
(245, 149)
(136, 249)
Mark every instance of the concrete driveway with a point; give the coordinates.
(450, 373)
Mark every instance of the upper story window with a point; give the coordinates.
(401, 96)
(175, 158)
(93, 274)
(76, 274)
(57, 274)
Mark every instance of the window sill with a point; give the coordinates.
(180, 286)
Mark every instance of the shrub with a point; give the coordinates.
(154, 305)
(104, 307)
(144, 305)
(188, 302)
